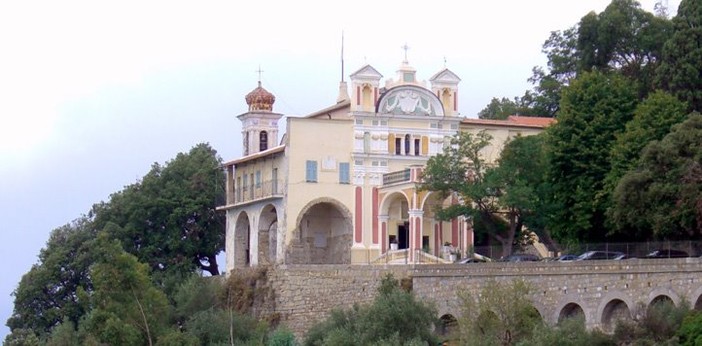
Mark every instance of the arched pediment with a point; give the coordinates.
(410, 100)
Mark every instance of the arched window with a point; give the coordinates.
(263, 140)
(407, 144)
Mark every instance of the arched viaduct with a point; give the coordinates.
(601, 291)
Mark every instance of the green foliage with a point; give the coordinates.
(177, 338)
(282, 337)
(657, 325)
(594, 109)
(500, 315)
(498, 109)
(690, 332)
(680, 71)
(571, 332)
(168, 219)
(394, 318)
(46, 295)
(513, 190)
(652, 120)
(127, 309)
(21, 337)
(196, 294)
(64, 334)
(663, 194)
(218, 326)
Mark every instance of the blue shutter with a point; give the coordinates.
(311, 174)
(344, 177)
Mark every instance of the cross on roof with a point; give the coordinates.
(259, 73)
(406, 48)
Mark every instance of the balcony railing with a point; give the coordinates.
(266, 189)
(396, 177)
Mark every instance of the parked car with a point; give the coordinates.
(566, 258)
(602, 255)
(521, 257)
(667, 253)
(475, 258)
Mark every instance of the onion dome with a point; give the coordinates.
(260, 99)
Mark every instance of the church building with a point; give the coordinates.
(339, 187)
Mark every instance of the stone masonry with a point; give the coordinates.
(599, 290)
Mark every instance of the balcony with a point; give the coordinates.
(264, 190)
(397, 177)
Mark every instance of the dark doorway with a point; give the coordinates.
(403, 236)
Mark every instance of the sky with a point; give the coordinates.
(92, 93)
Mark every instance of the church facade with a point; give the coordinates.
(340, 186)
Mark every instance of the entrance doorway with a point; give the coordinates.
(403, 236)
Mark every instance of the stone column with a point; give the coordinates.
(383, 219)
(416, 217)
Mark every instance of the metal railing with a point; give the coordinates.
(266, 189)
(631, 249)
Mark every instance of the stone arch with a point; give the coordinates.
(615, 309)
(323, 234)
(448, 325)
(267, 234)
(571, 311)
(242, 241)
(696, 299)
(663, 294)
(395, 206)
(389, 199)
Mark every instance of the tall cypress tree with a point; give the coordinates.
(594, 109)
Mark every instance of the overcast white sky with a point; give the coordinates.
(92, 93)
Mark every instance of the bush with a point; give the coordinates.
(394, 318)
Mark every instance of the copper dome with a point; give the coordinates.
(260, 99)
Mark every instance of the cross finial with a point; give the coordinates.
(259, 74)
(444, 62)
(406, 48)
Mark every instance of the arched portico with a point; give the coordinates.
(394, 218)
(323, 234)
(242, 245)
(268, 235)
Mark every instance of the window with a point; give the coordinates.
(258, 179)
(359, 121)
(416, 147)
(398, 146)
(383, 163)
(407, 144)
(263, 140)
(376, 123)
(383, 123)
(454, 126)
(344, 176)
(358, 162)
(239, 188)
(311, 172)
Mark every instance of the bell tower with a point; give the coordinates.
(259, 128)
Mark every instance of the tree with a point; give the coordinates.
(594, 109)
(500, 315)
(169, 218)
(498, 109)
(46, 295)
(126, 307)
(662, 196)
(680, 71)
(508, 191)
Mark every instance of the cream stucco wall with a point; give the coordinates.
(328, 142)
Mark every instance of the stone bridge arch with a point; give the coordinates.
(614, 306)
(695, 299)
(323, 234)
